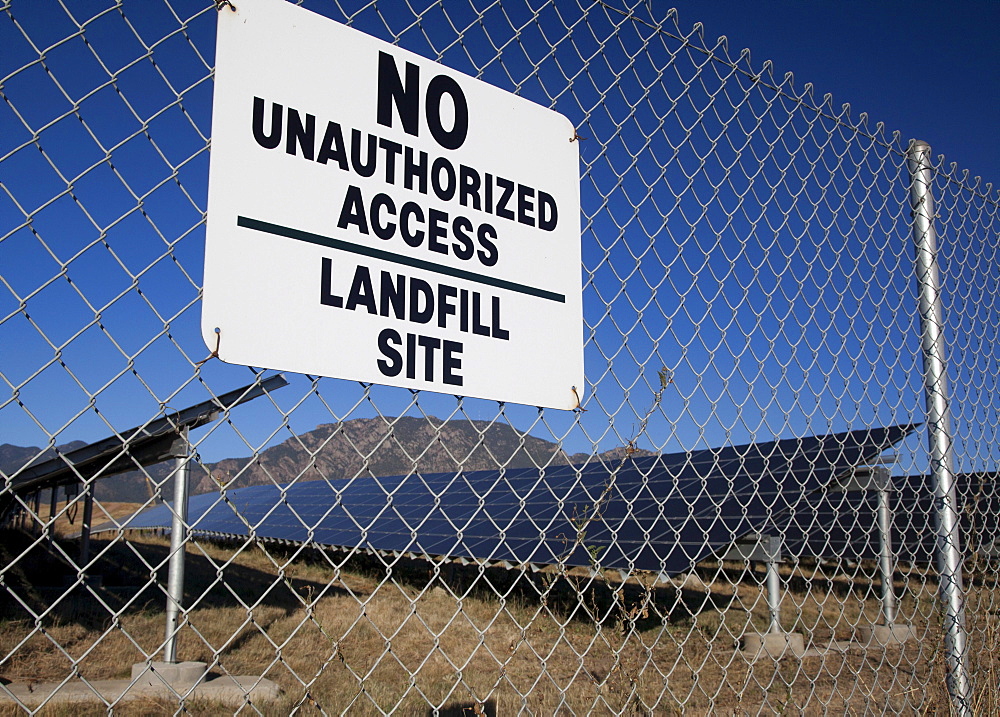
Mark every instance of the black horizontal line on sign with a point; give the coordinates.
(374, 253)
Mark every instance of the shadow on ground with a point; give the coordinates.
(42, 576)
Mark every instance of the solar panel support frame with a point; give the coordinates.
(85, 524)
(863, 478)
(153, 442)
(178, 543)
(53, 502)
(877, 479)
(36, 507)
(764, 549)
(755, 548)
(773, 595)
(887, 558)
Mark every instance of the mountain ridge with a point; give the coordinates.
(371, 447)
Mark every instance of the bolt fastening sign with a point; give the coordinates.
(379, 217)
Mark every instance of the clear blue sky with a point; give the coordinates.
(929, 70)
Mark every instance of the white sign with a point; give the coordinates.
(375, 216)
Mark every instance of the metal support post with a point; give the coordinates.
(36, 509)
(178, 543)
(886, 557)
(773, 596)
(88, 517)
(939, 425)
(50, 528)
(764, 549)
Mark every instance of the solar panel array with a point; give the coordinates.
(658, 513)
(834, 523)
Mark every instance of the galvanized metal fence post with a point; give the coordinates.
(178, 541)
(939, 425)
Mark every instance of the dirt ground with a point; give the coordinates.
(369, 635)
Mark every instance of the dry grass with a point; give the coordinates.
(346, 634)
(68, 521)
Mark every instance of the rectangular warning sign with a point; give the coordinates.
(376, 216)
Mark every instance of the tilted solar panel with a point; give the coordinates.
(657, 513)
(843, 524)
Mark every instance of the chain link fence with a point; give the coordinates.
(748, 279)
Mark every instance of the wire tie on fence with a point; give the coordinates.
(575, 137)
(215, 353)
(219, 4)
(578, 406)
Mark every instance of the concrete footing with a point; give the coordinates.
(774, 645)
(877, 636)
(157, 680)
(181, 676)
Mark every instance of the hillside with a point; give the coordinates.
(13, 457)
(370, 446)
(359, 447)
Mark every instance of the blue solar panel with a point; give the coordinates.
(839, 524)
(658, 513)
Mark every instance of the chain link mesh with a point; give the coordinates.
(747, 277)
